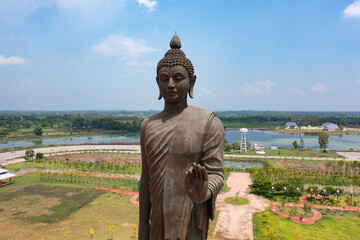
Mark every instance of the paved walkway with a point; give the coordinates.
(234, 221)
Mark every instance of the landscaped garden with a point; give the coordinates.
(326, 201)
(334, 224)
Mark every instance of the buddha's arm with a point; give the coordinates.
(144, 195)
(213, 157)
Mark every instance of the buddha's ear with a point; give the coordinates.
(191, 94)
(160, 96)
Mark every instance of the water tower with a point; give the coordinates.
(243, 132)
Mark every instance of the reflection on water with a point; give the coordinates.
(337, 142)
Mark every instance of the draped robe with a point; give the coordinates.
(170, 147)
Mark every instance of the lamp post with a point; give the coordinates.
(297, 194)
(351, 193)
(285, 193)
(311, 193)
(337, 194)
(272, 193)
(324, 192)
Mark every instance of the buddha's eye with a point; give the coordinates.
(164, 77)
(178, 77)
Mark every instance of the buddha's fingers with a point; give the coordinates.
(204, 172)
(200, 172)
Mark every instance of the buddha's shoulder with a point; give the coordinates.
(199, 111)
(205, 115)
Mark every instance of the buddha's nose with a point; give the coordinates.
(171, 82)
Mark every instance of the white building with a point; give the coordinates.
(5, 175)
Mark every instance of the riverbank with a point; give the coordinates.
(314, 132)
(49, 133)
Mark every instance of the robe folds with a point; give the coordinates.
(171, 146)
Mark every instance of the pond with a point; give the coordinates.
(267, 138)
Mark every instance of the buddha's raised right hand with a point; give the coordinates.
(196, 183)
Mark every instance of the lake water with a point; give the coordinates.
(337, 142)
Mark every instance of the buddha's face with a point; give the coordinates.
(174, 83)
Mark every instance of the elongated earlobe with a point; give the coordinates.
(160, 96)
(191, 92)
(192, 83)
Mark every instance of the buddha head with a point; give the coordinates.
(175, 73)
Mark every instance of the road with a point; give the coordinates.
(5, 157)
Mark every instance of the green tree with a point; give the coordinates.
(228, 147)
(29, 154)
(38, 131)
(302, 143)
(236, 145)
(323, 140)
(295, 144)
(39, 156)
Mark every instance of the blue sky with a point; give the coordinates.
(247, 54)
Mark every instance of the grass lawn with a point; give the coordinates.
(333, 225)
(237, 200)
(287, 152)
(71, 207)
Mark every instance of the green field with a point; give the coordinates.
(333, 225)
(47, 211)
(287, 152)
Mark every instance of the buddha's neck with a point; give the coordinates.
(175, 107)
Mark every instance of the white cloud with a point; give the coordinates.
(118, 45)
(353, 10)
(319, 87)
(204, 92)
(258, 88)
(150, 5)
(298, 92)
(11, 60)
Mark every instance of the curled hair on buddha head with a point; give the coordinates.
(176, 57)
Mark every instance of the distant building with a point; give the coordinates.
(273, 147)
(290, 125)
(330, 127)
(258, 147)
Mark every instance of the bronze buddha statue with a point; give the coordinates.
(182, 157)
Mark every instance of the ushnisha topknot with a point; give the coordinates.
(176, 57)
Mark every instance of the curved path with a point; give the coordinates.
(234, 221)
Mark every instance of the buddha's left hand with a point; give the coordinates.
(196, 183)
